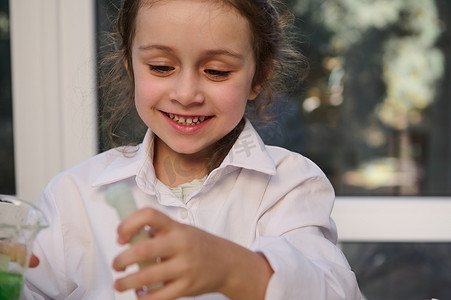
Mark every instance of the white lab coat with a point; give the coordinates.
(265, 198)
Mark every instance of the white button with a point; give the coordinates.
(183, 213)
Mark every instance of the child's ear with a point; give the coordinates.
(258, 87)
(124, 61)
(255, 91)
(127, 66)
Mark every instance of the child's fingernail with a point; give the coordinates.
(142, 291)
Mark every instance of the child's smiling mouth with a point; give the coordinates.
(187, 120)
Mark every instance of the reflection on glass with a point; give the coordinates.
(7, 181)
(393, 271)
(374, 112)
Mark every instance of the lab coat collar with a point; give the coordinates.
(128, 162)
(248, 152)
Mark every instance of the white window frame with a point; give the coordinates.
(54, 89)
(55, 122)
(393, 219)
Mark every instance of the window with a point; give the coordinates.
(377, 94)
(401, 270)
(7, 174)
(374, 112)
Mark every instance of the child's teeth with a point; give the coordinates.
(187, 121)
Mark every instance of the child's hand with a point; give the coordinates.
(17, 253)
(193, 262)
(34, 261)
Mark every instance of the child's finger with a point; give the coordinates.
(34, 261)
(16, 252)
(149, 276)
(172, 290)
(147, 250)
(141, 218)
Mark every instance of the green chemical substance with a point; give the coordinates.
(10, 285)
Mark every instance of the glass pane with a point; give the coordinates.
(374, 113)
(401, 270)
(7, 176)
(106, 13)
(129, 130)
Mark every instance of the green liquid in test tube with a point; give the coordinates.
(120, 197)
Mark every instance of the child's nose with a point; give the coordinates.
(187, 89)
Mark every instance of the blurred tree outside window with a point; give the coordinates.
(374, 113)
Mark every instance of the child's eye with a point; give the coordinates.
(161, 69)
(216, 74)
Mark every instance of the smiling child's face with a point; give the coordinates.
(193, 68)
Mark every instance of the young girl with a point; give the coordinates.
(230, 217)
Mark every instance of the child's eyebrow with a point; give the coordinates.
(208, 53)
(155, 47)
(224, 52)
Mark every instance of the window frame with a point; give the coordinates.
(393, 219)
(54, 89)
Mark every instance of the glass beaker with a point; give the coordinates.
(20, 222)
